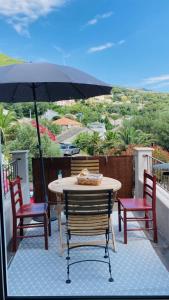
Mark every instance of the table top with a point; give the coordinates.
(70, 183)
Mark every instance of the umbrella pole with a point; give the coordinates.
(40, 148)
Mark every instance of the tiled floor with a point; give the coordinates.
(136, 268)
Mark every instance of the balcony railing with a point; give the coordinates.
(160, 169)
(10, 171)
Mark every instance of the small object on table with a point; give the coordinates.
(90, 179)
(59, 174)
(87, 178)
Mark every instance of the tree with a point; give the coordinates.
(108, 125)
(111, 141)
(6, 122)
(83, 140)
(23, 109)
(89, 142)
(26, 139)
(95, 146)
(129, 135)
(54, 128)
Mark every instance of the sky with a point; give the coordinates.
(122, 42)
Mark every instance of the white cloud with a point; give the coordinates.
(100, 48)
(21, 13)
(156, 79)
(121, 42)
(92, 22)
(105, 46)
(99, 17)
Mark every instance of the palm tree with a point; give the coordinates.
(6, 123)
(94, 147)
(111, 141)
(129, 135)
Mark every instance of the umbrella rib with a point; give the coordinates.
(80, 92)
(14, 93)
(47, 91)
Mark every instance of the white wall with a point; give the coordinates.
(162, 203)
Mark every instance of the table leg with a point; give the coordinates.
(59, 208)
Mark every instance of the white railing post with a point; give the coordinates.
(142, 161)
(23, 171)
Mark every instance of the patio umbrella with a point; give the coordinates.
(33, 82)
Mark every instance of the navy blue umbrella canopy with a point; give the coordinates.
(32, 82)
(47, 82)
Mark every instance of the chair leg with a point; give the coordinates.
(60, 238)
(21, 229)
(14, 235)
(146, 222)
(46, 231)
(155, 227)
(106, 247)
(113, 237)
(125, 226)
(49, 220)
(68, 258)
(119, 214)
(108, 255)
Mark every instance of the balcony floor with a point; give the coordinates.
(136, 268)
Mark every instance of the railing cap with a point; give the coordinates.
(143, 149)
(19, 151)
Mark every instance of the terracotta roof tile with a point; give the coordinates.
(65, 122)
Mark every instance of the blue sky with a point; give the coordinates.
(122, 42)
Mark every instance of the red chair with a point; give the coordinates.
(26, 211)
(147, 204)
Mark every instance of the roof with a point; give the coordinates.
(65, 122)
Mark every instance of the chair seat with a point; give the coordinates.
(135, 204)
(32, 209)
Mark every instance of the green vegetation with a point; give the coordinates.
(24, 109)
(7, 124)
(25, 138)
(55, 129)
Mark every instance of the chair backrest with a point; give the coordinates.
(88, 212)
(149, 187)
(78, 164)
(16, 193)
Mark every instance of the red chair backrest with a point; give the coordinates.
(149, 188)
(16, 193)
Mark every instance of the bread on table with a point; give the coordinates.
(84, 172)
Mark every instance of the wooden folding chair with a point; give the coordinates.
(88, 214)
(78, 164)
(147, 204)
(29, 210)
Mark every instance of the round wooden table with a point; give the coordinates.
(70, 183)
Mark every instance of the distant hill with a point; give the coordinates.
(7, 60)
